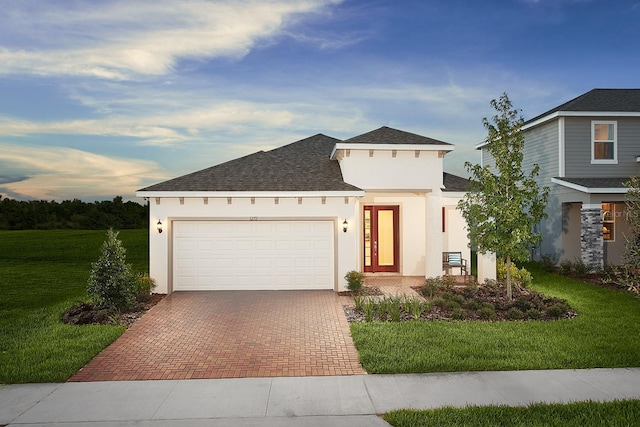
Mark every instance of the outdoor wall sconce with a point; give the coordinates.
(345, 226)
(159, 226)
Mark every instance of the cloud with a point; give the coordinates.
(124, 40)
(57, 172)
(8, 179)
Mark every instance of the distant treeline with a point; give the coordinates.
(71, 214)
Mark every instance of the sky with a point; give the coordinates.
(102, 98)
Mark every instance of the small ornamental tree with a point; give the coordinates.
(111, 282)
(629, 271)
(503, 203)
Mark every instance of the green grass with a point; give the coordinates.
(582, 414)
(606, 333)
(42, 273)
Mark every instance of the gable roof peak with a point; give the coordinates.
(598, 100)
(388, 135)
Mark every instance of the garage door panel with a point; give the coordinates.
(253, 255)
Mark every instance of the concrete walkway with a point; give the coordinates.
(301, 401)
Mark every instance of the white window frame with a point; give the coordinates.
(613, 161)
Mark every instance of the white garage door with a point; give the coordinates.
(252, 255)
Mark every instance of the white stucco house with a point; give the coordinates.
(301, 216)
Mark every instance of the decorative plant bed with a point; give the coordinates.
(475, 303)
(85, 313)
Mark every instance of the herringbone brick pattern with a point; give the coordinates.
(232, 334)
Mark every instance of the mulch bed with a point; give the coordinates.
(85, 313)
(481, 303)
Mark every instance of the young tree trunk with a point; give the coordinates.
(509, 293)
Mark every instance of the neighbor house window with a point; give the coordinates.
(608, 221)
(604, 142)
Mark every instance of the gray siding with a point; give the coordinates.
(541, 148)
(487, 159)
(578, 148)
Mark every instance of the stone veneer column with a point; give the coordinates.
(591, 243)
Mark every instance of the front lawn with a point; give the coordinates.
(582, 414)
(604, 334)
(42, 273)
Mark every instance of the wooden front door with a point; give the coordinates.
(381, 238)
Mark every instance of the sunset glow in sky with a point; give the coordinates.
(101, 98)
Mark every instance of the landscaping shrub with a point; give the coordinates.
(549, 263)
(472, 304)
(459, 314)
(111, 282)
(555, 311)
(417, 308)
(145, 284)
(534, 314)
(520, 276)
(451, 305)
(438, 302)
(566, 267)
(359, 302)
(515, 313)
(487, 313)
(581, 269)
(472, 288)
(354, 279)
(433, 285)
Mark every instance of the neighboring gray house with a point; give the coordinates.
(586, 148)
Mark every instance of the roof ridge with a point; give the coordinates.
(587, 102)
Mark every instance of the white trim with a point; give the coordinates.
(453, 194)
(481, 145)
(583, 189)
(246, 194)
(389, 147)
(552, 116)
(613, 161)
(561, 148)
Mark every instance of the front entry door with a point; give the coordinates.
(381, 239)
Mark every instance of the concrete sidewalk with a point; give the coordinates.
(300, 401)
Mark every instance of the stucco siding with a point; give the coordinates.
(578, 148)
(170, 209)
(380, 170)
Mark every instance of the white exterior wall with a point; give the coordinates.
(413, 182)
(382, 171)
(412, 229)
(455, 235)
(170, 209)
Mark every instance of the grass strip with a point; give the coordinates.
(43, 273)
(579, 414)
(606, 333)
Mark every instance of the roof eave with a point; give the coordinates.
(245, 194)
(557, 114)
(390, 147)
(590, 190)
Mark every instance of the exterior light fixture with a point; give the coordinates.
(345, 226)
(159, 226)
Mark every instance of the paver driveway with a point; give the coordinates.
(232, 334)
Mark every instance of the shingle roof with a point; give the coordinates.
(387, 135)
(454, 183)
(607, 100)
(304, 165)
(616, 182)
